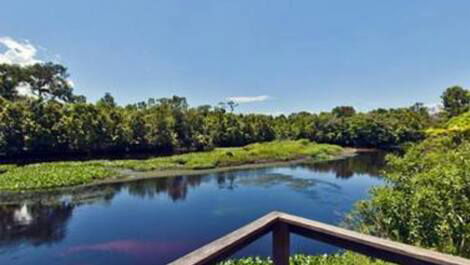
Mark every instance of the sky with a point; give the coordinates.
(269, 56)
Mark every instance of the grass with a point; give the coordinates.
(347, 258)
(224, 157)
(62, 174)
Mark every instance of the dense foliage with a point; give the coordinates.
(52, 120)
(347, 258)
(60, 174)
(456, 100)
(427, 201)
(32, 126)
(48, 81)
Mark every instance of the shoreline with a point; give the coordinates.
(9, 197)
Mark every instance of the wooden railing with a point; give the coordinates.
(281, 225)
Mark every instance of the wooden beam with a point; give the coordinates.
(282, 224)
(281, 244)
(225, 246)
(369, 245)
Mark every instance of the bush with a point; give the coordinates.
(427, 199)
(347, 258)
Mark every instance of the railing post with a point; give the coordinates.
(281, 244)
(282, 224)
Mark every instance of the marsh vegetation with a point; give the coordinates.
(62, 174)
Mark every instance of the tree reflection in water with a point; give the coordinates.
(175, 187)
(370, 163)
(34, 224)
(42, 218)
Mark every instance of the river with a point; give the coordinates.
(155, 221)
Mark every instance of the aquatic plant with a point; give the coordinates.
(51, 175)
(60, 174)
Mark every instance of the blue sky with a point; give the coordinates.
(283, 56)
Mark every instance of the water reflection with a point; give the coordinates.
(141, 249)
(175, 187)
(367, 163)
(33, 224)
(42, 219)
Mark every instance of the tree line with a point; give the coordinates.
(51, 119)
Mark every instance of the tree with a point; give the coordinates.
(107, 100)
(13, 118)
(175, 103)
(57, 121)
(418, 107)
(49, 80)
(232, 105)
(11, 77)
(79, 99)
(229, 104)
(343, 111)
(456, 100)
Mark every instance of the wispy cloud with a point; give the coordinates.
(272, 113)
(18, 52)
(242, 99)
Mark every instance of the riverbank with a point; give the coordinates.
(47, 176)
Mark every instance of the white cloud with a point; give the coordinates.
(242, 99)
(70, 83)
(22, 53)
(434, 108)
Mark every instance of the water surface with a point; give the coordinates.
(157, 220)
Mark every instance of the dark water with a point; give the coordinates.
(156, 221)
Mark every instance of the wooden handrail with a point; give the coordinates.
(282, 224)
(229, 244)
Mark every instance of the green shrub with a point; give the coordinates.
(427, 199)
(347, 258)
